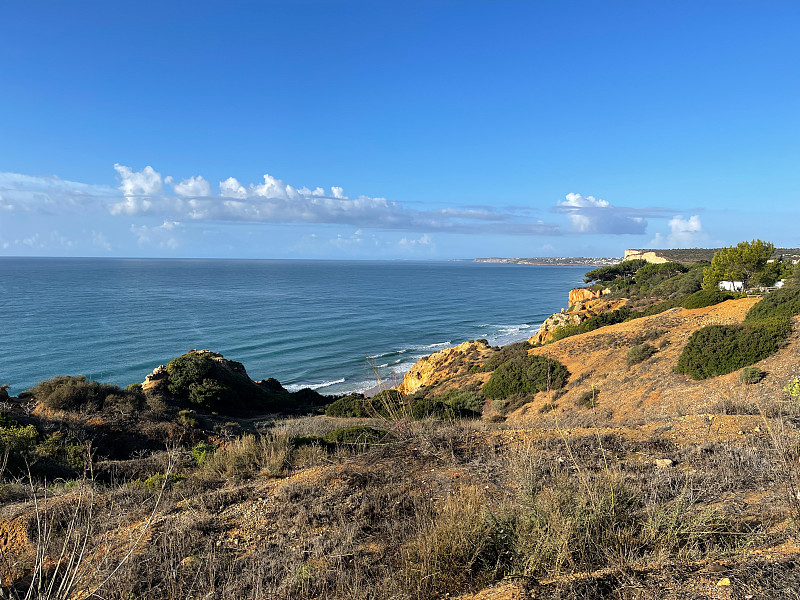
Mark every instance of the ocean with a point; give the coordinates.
(335, 326)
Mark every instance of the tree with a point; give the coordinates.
(745, 262)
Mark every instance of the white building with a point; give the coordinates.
(731, 286)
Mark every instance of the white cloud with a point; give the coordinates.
(594, 215)
(231, 188)
(144, 194)
(424, 240)
(161, 236)
(138, 183)
(50, 195)
(138, 187)
(194, 186)
(684, 233)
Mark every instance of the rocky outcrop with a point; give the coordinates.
(584, 294)
(444, 364)
(155, 384)
(578, 312)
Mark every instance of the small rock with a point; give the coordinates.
(724, 581)
(663, 463)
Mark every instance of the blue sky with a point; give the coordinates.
(436, 129)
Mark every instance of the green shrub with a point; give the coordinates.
(157, 481)
(617, 274)
(704, 298)
(505, 353)
(356, 435)
(587, 399)
(202, 451)
(65, 392)
(784, 302)
(720, 349)
(653, 274)
(384, 404)
(750, 375)
(215, 384)
(524, 375)
(793, 388)
(209, 393)
(464, 402)
(64, 450)
(16, 445)
(640, 353)
(430, 408)
(187, 370)
(188, 418)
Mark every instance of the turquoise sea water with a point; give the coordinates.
(330, 325)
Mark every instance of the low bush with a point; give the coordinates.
(750, 375)
(639, 353)
(384, 404)
(525, 375)
(464, 402)
(431, 408)
(465, 545)
(587, 399)
(64, 450)
(704, 298)
(249, 455)
(720, 349)
(16, 446)
(504, 354)
(188, 418)
(202, 451)
(65, 392)
(357, 435)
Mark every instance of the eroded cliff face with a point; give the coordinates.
(585, 294)
(579, 311)
(444, 364)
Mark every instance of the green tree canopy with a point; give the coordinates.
(745, 262)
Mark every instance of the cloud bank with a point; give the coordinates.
(158, 211)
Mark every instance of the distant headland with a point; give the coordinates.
(680, 255)
(576, 261)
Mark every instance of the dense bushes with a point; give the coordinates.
(525, 375)
(784, 302)
(208, 381)
(382, 404)
(65, 392)
(719, 349)
(618, 274)
(505, 353)
(703, 298)
(651, 275)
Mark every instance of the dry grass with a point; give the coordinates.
(449, 507)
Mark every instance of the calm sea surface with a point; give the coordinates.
(323, 324)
